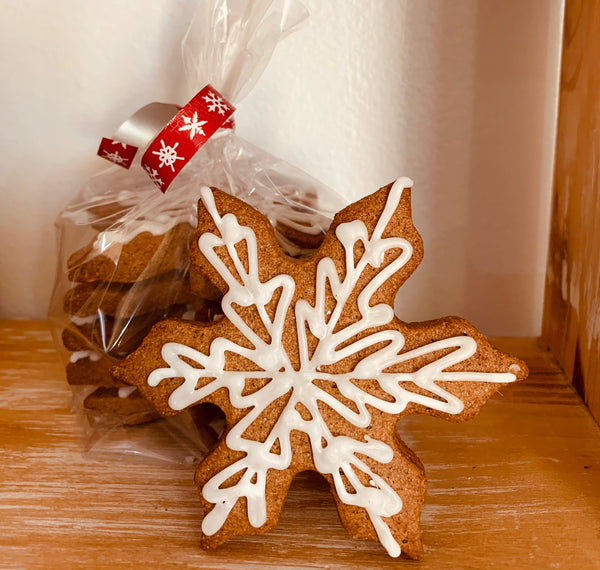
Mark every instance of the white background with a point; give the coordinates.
(460, 95)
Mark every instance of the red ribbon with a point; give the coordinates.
(117, 152)
(179, 140)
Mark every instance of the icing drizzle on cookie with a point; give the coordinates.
(156, 224)
(336, 455)
(81, 354)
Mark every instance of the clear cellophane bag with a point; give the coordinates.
(123, 246)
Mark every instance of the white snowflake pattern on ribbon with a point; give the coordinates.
(153, 174)
(114, 157)
(167, 155)
(193, 125)
(216, 103)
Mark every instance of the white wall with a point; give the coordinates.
(460, 95)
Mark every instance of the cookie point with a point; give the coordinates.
(394, 550)
(405, 182)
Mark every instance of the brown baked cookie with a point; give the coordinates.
(90, 367)
(125, 256)
(126, 300)
(312, 369)
(103, 209)
(102, 213)
(201, 287)
(111, 403)
(126, 405)
(299, 226)
(119, 337)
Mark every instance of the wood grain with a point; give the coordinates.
(571, 324)
(517, 487)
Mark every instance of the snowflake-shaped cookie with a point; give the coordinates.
(312, 369)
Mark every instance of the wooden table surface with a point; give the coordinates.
(517, 487)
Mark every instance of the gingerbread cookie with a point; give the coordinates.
(142, 252)
(299, 228)
(201, 287)
(98, 341)
(132, 273)
(89, 367)
(138, 239)
(125, 405)
(101, 209)
(312, 369)
(127, 300)
(118, 337)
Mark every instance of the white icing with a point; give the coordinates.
(83, 214)
(78, 355)
(156, 224)
(81, 321)
(332, 454)
(126, 391)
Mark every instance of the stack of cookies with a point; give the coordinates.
(133, 273)
(134, 270)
